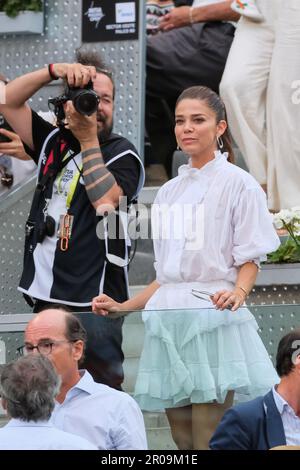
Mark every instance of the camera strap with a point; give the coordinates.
(54, 164)
(56, 161)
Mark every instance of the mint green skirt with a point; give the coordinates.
(197, 356)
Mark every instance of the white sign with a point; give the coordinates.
(125, 12)
(95, 14)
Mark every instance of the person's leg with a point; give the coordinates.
(160, 129)
(178, 59)
(283, 111)
(40, 305)
(103, 355)
(180, 420)
(243, 90)
(187, 56)
(205, 418)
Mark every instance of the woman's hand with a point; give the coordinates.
(102, 305)
(228, 299)
(177, 18)
(14, 147)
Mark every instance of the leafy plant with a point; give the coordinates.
(13, 7)
(289, 251)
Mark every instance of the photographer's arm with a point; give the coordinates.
(15, 110)
(18, 91)
(100, 184)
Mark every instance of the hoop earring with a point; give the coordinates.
(220, 142)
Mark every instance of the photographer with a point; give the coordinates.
(11, 146)
(83, 171)
(21, 165)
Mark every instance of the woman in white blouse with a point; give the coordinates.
(211, 230)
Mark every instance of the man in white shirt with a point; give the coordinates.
(191, 49)
(272, 420)
(107, 417)
(28, 387)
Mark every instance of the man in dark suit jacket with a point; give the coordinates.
(271, 420)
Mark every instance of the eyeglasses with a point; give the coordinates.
(44, 347)
(201, 293)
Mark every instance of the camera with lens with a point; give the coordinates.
(85, 101)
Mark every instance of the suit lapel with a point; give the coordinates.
(274, 426)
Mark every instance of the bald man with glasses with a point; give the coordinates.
(108, 418)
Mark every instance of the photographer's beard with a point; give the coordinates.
(104, 127)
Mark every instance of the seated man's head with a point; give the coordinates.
(104, 87)
(288, 355)
(28, 388)
(58, 334)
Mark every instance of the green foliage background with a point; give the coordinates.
(13, 7)
(288, 252)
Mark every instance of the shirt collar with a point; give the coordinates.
(14, 422)
(207, 169)
(85, 384)
(281, 404)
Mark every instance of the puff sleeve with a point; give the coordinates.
(253, 233)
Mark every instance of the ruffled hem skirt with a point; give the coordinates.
(198, 355)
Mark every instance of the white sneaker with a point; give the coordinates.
(247, 8)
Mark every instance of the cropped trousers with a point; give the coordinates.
(261, 91)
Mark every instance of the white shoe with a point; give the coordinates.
(247, 8)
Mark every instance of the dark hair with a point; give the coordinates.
(87, 57)
(29, 387)
(215, 103)
(288, 350)
(74, 329)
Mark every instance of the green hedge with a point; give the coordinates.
(13, 7)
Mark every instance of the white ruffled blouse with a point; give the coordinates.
(207, 222)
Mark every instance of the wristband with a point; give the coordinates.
(244, 290)
(51, 72)
(191, 15)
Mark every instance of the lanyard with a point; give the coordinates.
(73, 183)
